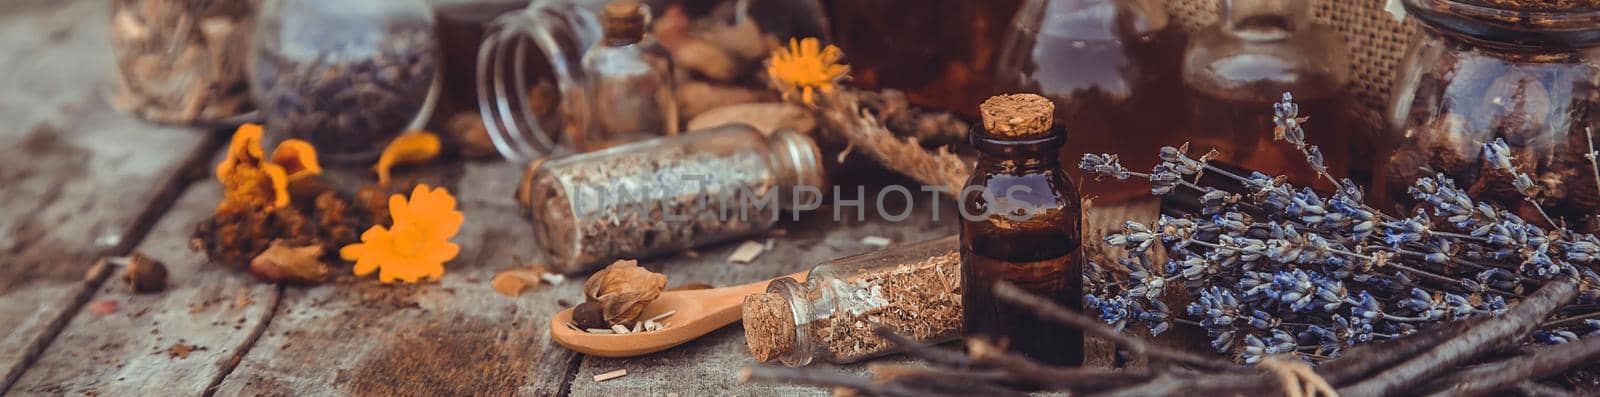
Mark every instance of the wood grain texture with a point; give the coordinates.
(454, 337)
(77, 180)
(708, 366)
(208, 307)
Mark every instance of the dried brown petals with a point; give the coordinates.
(285, 262)
(622, 290)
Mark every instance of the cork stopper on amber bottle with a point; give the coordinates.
(1017, 115)
(623, 22)
(768, 327)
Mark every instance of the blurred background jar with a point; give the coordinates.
(629, 79)
(178, 61)
(1234, 71)
(532, 85)
(1111, 67)
(461, 26)
(668, 194)
(1481, 70)
(941, 53)
(347, 76)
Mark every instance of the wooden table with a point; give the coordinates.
(82, 182)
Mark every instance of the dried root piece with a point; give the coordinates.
(842, 114)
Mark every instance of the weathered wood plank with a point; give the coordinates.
(454, 337)
(708, 366)
(79, 180)
(207, 307)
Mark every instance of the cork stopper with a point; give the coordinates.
(623, 22)
(768, 327)
(1017, 115)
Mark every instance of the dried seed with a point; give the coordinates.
(620, 329)
(599, 331)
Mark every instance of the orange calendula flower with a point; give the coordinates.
(413, 148)
(417, 245)
(804, 68)
(252, 182)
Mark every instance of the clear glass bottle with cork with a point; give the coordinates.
(914, 290)
(668, 194)
(1234, 71)
(628, 79)
(1021, 223)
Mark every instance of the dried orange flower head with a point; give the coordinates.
(805, 68)
(298, 159)
(623, 289)
(417, 245)
(414, 148)
(250, 183)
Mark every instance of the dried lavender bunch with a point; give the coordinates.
(1276, 269)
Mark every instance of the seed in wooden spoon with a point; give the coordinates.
(599, 331)
(620, 329)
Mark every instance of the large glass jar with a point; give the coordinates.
(1021, 221)
(1111, 67)
(179, 61)
(669, 194)
(1476, 73)
(913, 289)
(1234, 71)
(940, 52)
(347, 76)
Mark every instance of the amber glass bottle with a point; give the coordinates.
(940, 52)
(1234, 72)
(1111, 66)
(1020, 224)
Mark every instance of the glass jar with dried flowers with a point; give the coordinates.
(346, 76)
(914, 290)
(1523, 73)
(668, 194)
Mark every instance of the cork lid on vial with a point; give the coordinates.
(1017, 116)
(623, 22)
(768, 327)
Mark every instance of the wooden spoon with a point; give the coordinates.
(697, 312)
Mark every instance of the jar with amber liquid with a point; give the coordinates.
(1479, 70)
(1234, 71)
(941, 53)
(1021, 221)
(1111, 67)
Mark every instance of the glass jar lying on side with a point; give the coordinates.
(1476, 73)
(668, 194)
(914, 290)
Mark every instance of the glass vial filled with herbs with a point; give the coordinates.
(1107, 65)
(1020, 224)
(914, 290)
(629, 81)
(668, 194)
(1234, 71)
